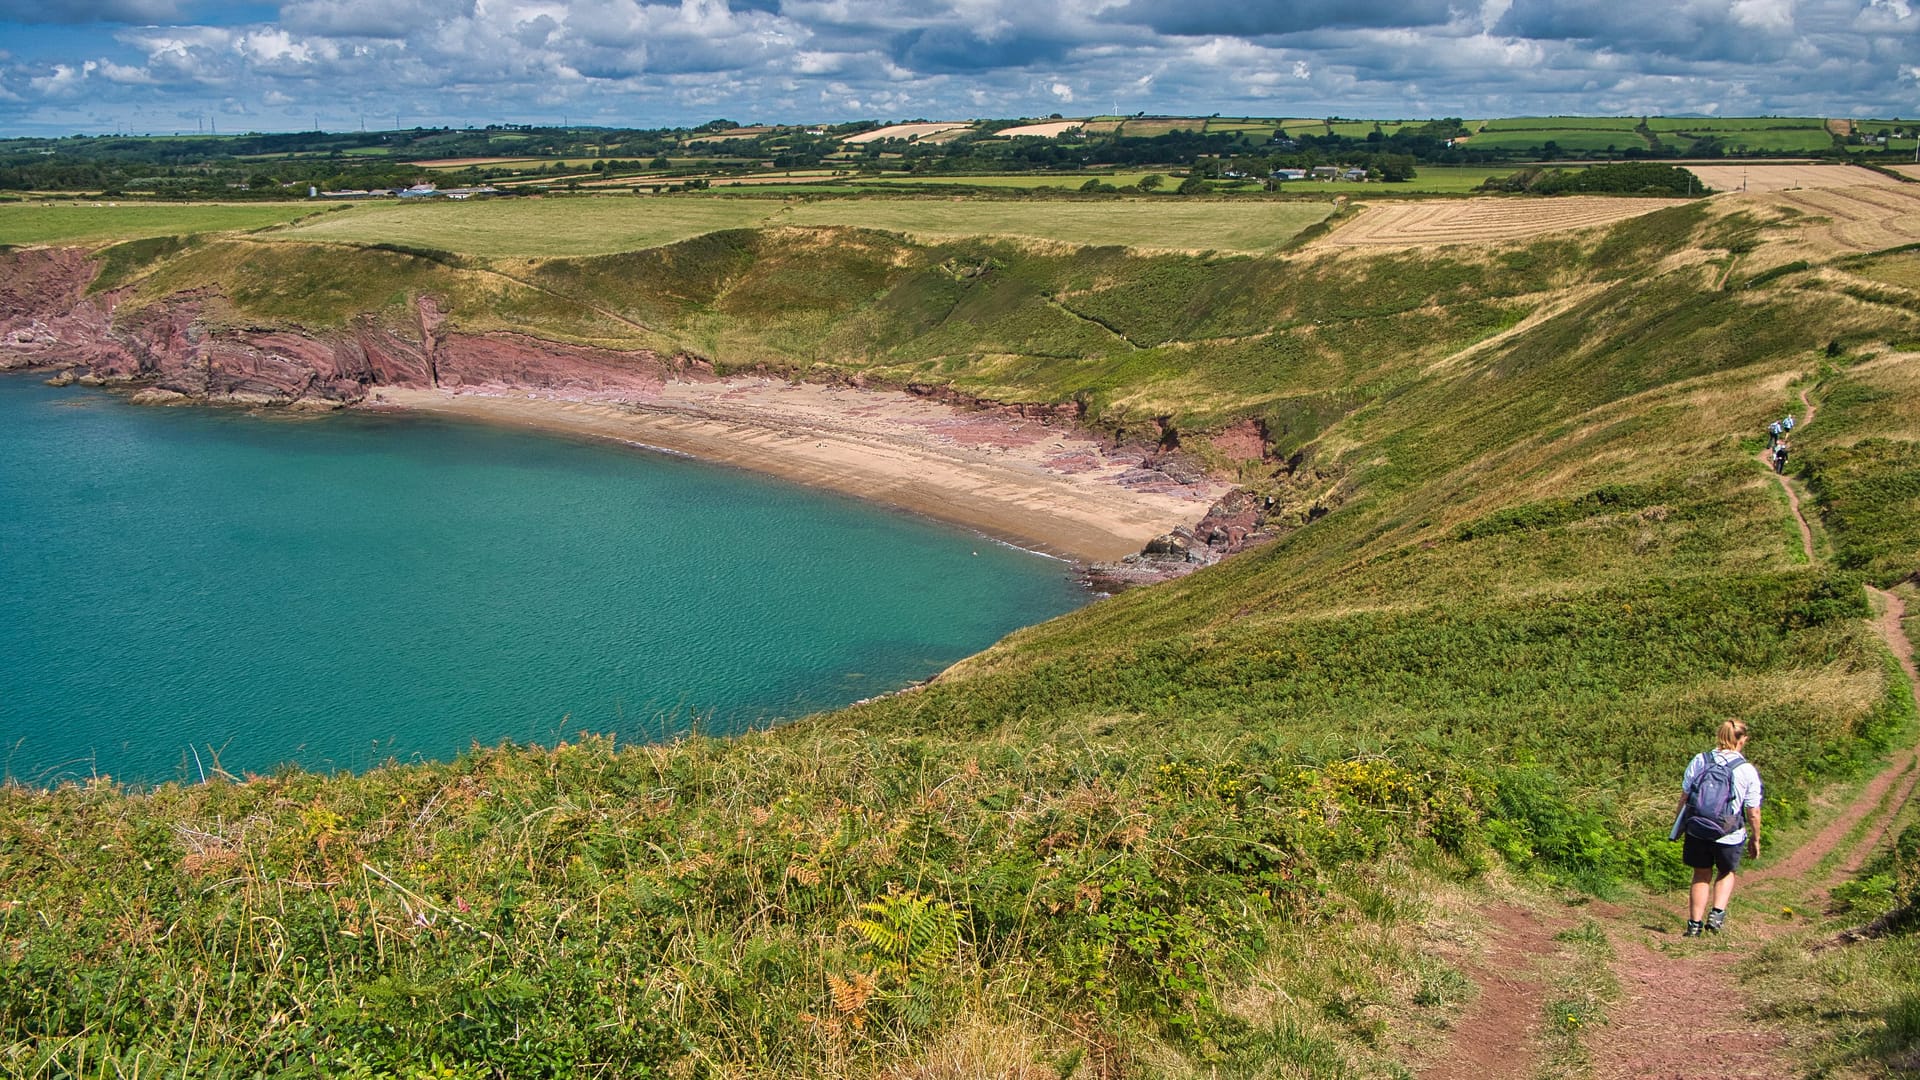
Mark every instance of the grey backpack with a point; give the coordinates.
(1713, 803)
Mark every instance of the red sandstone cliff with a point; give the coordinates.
(48, 319)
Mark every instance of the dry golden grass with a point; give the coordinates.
(1045, 131)
(980, 1047)
(1481, 221)
(1908, 170)
(1865, 217)
(904, 131)
(1760, 179)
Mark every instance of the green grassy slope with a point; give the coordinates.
(1207, 827)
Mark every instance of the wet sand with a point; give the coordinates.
(1040, 485)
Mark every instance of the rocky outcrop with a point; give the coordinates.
(48, 319)
(46, 316)
(1235, 523)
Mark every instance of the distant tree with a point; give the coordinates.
(1194, 184)
(1152, 182)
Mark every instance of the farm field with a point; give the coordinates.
(1581, 139)
(1431, 180)
(1663, 124)
(1060, 181)
(1763, 178)
(466, 162)
(1907, 170)
(595, 226)
(577, 226)
(1478, 221)
(903, 131)
(1148, 127)
(1861, 218)
(98, 223)
(1799, 141)
(1562, 123)
(1044, 131)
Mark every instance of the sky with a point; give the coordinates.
(165, 66)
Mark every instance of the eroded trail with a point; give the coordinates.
(1492, 1038)
(1658, 1027)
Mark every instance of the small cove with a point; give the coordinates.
(342, 590)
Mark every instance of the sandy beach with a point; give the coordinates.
(1037, 484)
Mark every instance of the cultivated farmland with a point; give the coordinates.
(1481, 221)
(903, 131)
(1044, 131)
(1764, 178)
(93, 223)
(1866, 217)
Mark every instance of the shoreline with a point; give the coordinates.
(1044, 487)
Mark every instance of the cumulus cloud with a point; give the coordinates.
(370, 18)
(676, 61)
(1239, 18)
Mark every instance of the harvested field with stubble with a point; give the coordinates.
(1482, 221)
(1760, 179)
(903, 131)
(1043, 131)
(1867, 217)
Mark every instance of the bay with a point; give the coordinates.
(185, 586)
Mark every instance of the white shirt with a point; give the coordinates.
(1746, 784)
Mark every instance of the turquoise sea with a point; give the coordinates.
(342, 590)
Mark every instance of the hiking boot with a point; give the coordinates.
(1694, 927)
(1716, 919)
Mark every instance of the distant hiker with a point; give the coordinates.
(1787, 424)
(1780, 452)
(1774, 431)
(1719, 811)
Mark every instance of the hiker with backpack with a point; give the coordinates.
(1719, 815)
(1774, 431)
(1780, 453)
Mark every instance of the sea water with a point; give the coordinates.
(180, 586)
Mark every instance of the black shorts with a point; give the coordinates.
(1711, 854)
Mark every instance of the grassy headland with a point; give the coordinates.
(1227, 825)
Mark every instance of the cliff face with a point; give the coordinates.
(47, 319)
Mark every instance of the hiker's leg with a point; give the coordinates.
(1723, 891)
(1698, 894)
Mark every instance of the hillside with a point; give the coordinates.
(1243, 823)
